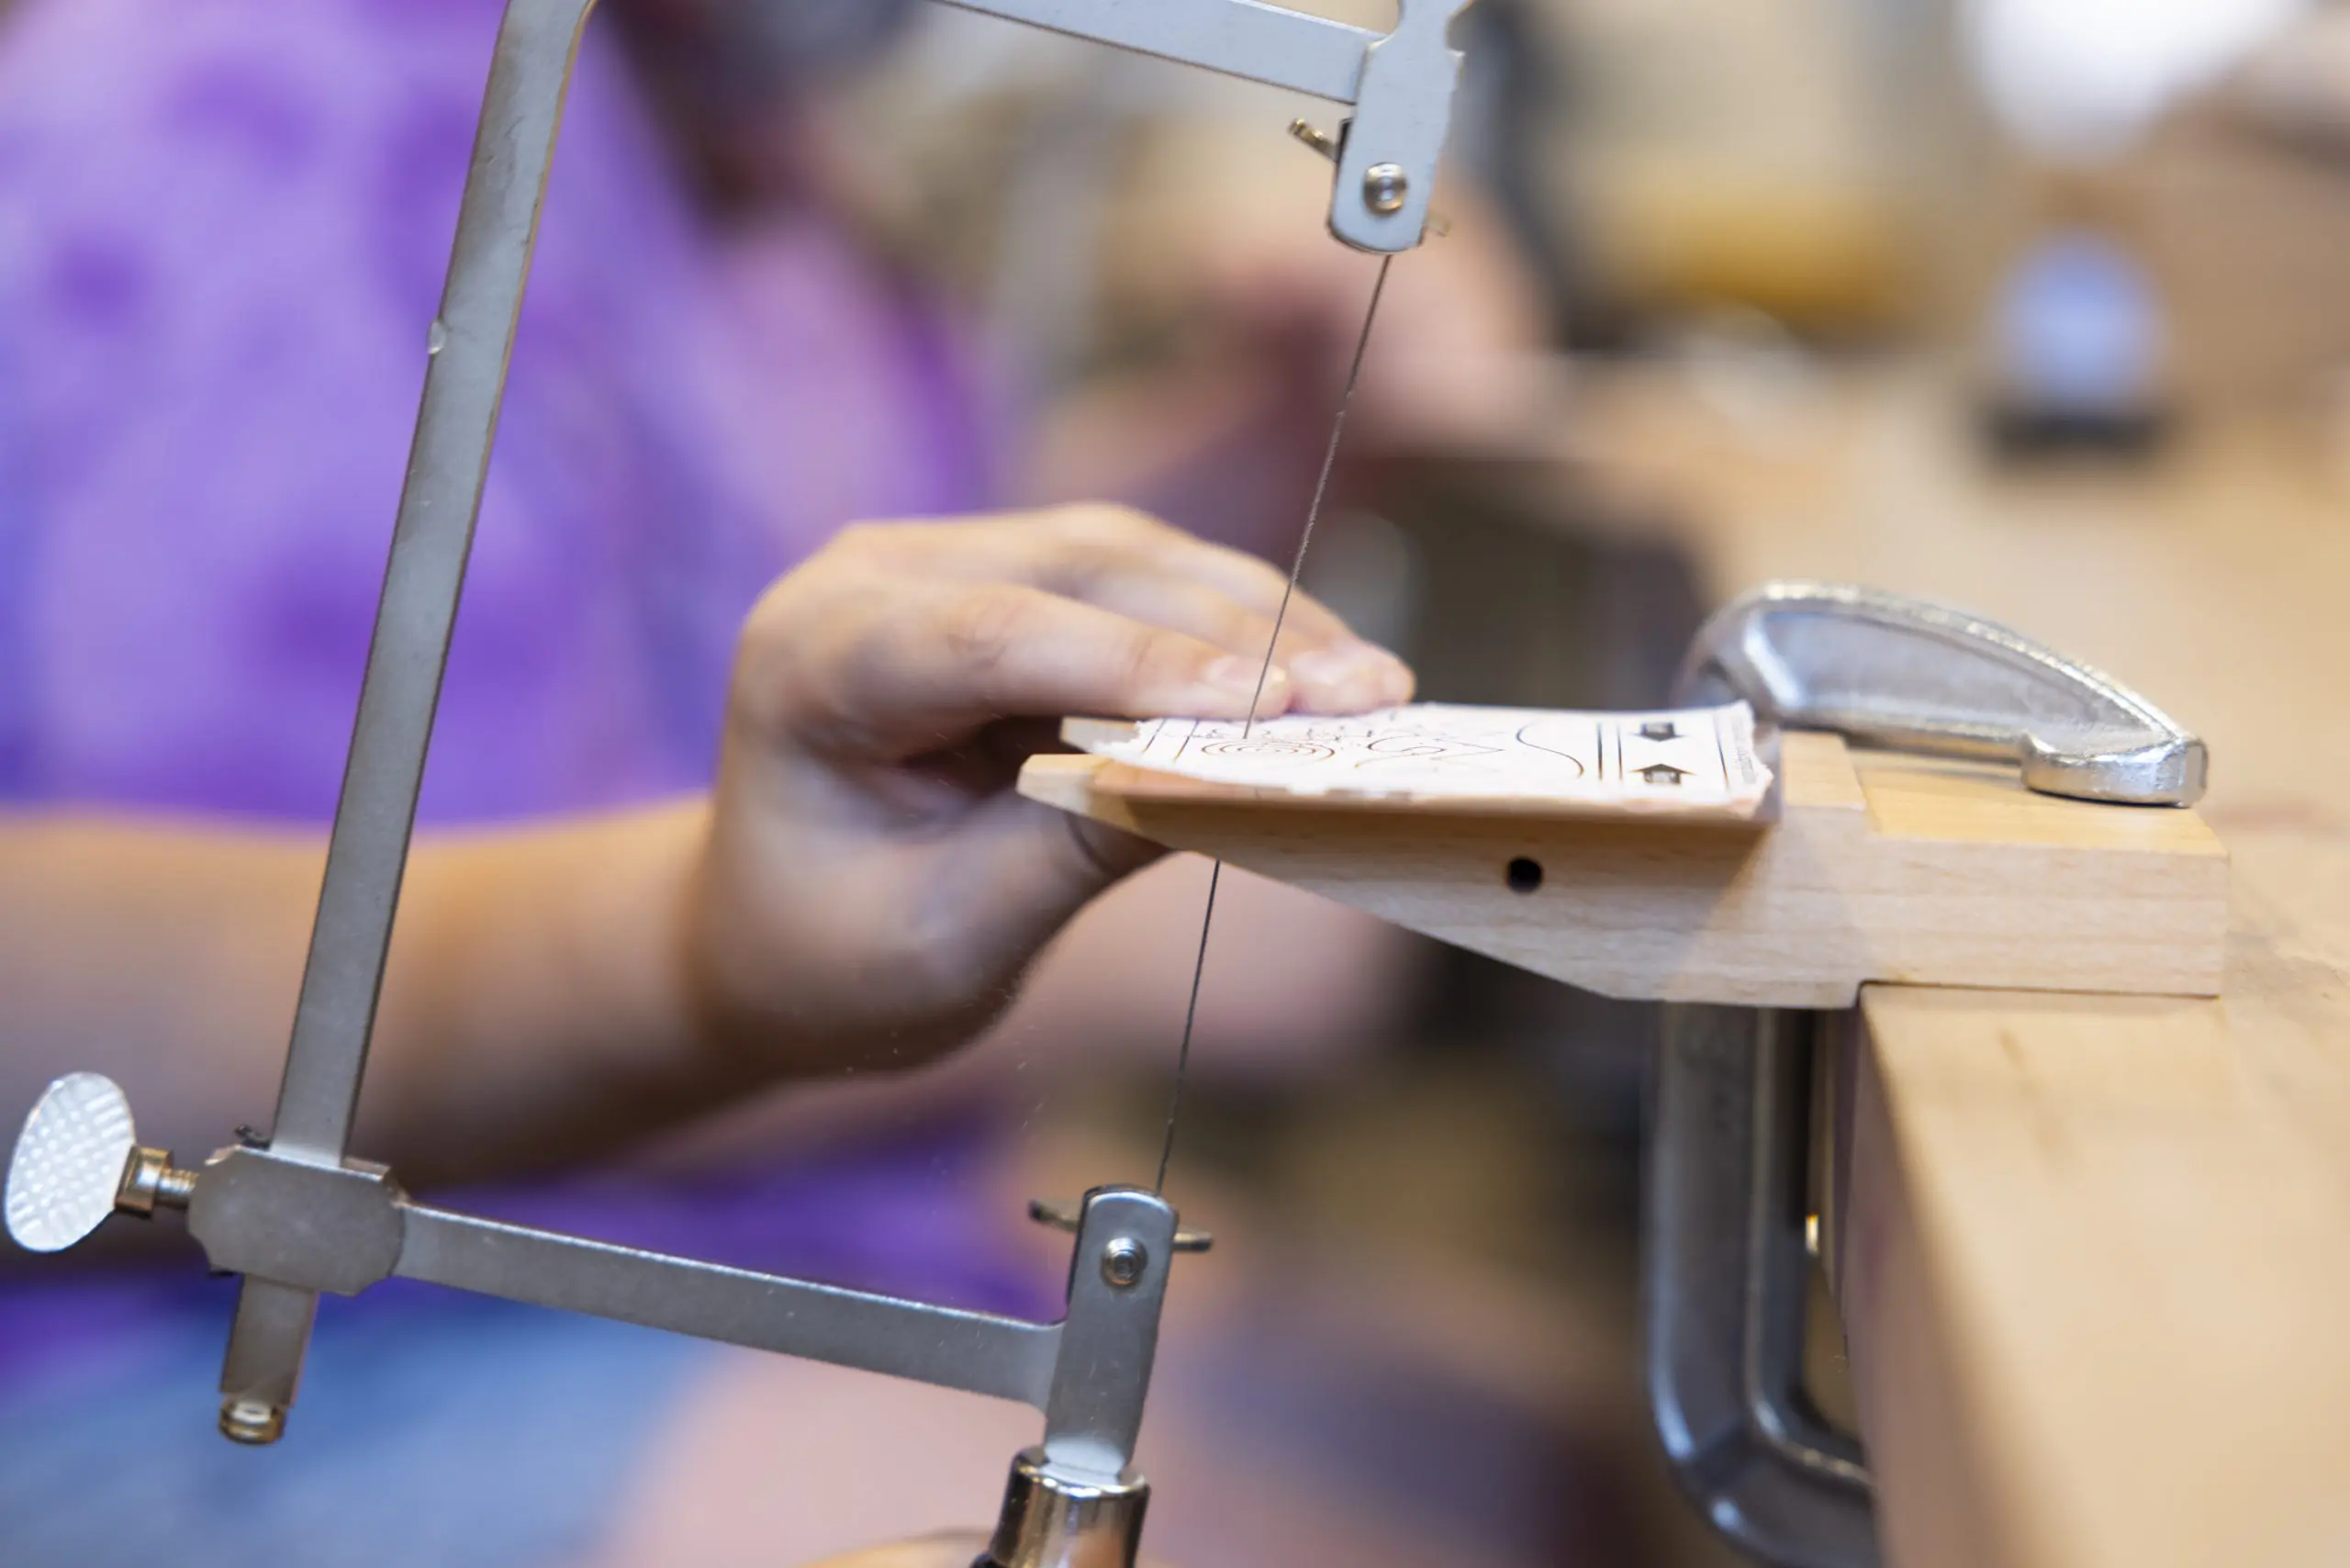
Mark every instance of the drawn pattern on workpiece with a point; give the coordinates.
(1691, 761)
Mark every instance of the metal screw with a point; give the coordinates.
(256, 1421)
(1058, 1215)
(1122, 1261)
(150, 1181)
(1314, 135)
(1384, 188)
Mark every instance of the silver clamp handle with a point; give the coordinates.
(1917, 677)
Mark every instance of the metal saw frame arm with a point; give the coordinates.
(1401, 84)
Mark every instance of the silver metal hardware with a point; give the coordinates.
(76, 1161)
(1122, 1261)
(1330, 146)
(1400, 82)
(1725, 1225)
(1916, 677)
(1005, 1358)
(1384, 186)
(324, 1227)
(1057, 1517)
(367, 851)
(151, 1181)
(1314, 135)
(293, 1228)
(1059, 1216)
(1724, 1287)
(252, 1422)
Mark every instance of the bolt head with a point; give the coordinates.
(1123, 1262)
(1385, 189)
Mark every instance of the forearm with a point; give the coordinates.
(538, 1005)
(535, 1004)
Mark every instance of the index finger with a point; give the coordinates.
(890, 669)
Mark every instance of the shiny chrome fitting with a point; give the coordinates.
(151, 1181)
(1058, 1516)
(254, 1422)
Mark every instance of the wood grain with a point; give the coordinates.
(1875, 868)
(2096, 1250)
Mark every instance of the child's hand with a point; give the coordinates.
(870, 885)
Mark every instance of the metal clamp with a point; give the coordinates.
(1725, 1266)
(1915, 676)
(1724, 1272)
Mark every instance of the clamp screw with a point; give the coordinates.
(151, 1181)
(1122, 1261)
(1384, 188)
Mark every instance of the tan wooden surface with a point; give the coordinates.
(1899, 868)
(2097, 1252)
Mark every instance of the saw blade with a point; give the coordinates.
(1264, 673)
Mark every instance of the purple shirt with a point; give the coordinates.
(223, 226)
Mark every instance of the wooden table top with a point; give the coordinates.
(2098, 1252)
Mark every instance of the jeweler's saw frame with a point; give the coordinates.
(295, 1215)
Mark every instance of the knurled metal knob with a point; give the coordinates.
(69, 1162)
(79, 1160)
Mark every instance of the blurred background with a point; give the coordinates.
(2067, 255)
(1724, 279)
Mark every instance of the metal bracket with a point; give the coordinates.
(1401, 84)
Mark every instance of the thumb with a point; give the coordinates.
(1023, 869)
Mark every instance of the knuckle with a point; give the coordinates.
(871, 545)
(1085, 567)
(803, 652)
(1265, 579)
(1147, 659)
(981, 627)
(1241, 627)
(1108, 522)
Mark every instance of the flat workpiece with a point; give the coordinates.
(1866, 866)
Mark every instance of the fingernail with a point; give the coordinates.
(1357, 671)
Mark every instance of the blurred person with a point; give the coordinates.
(222, 227)
(860, 888)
